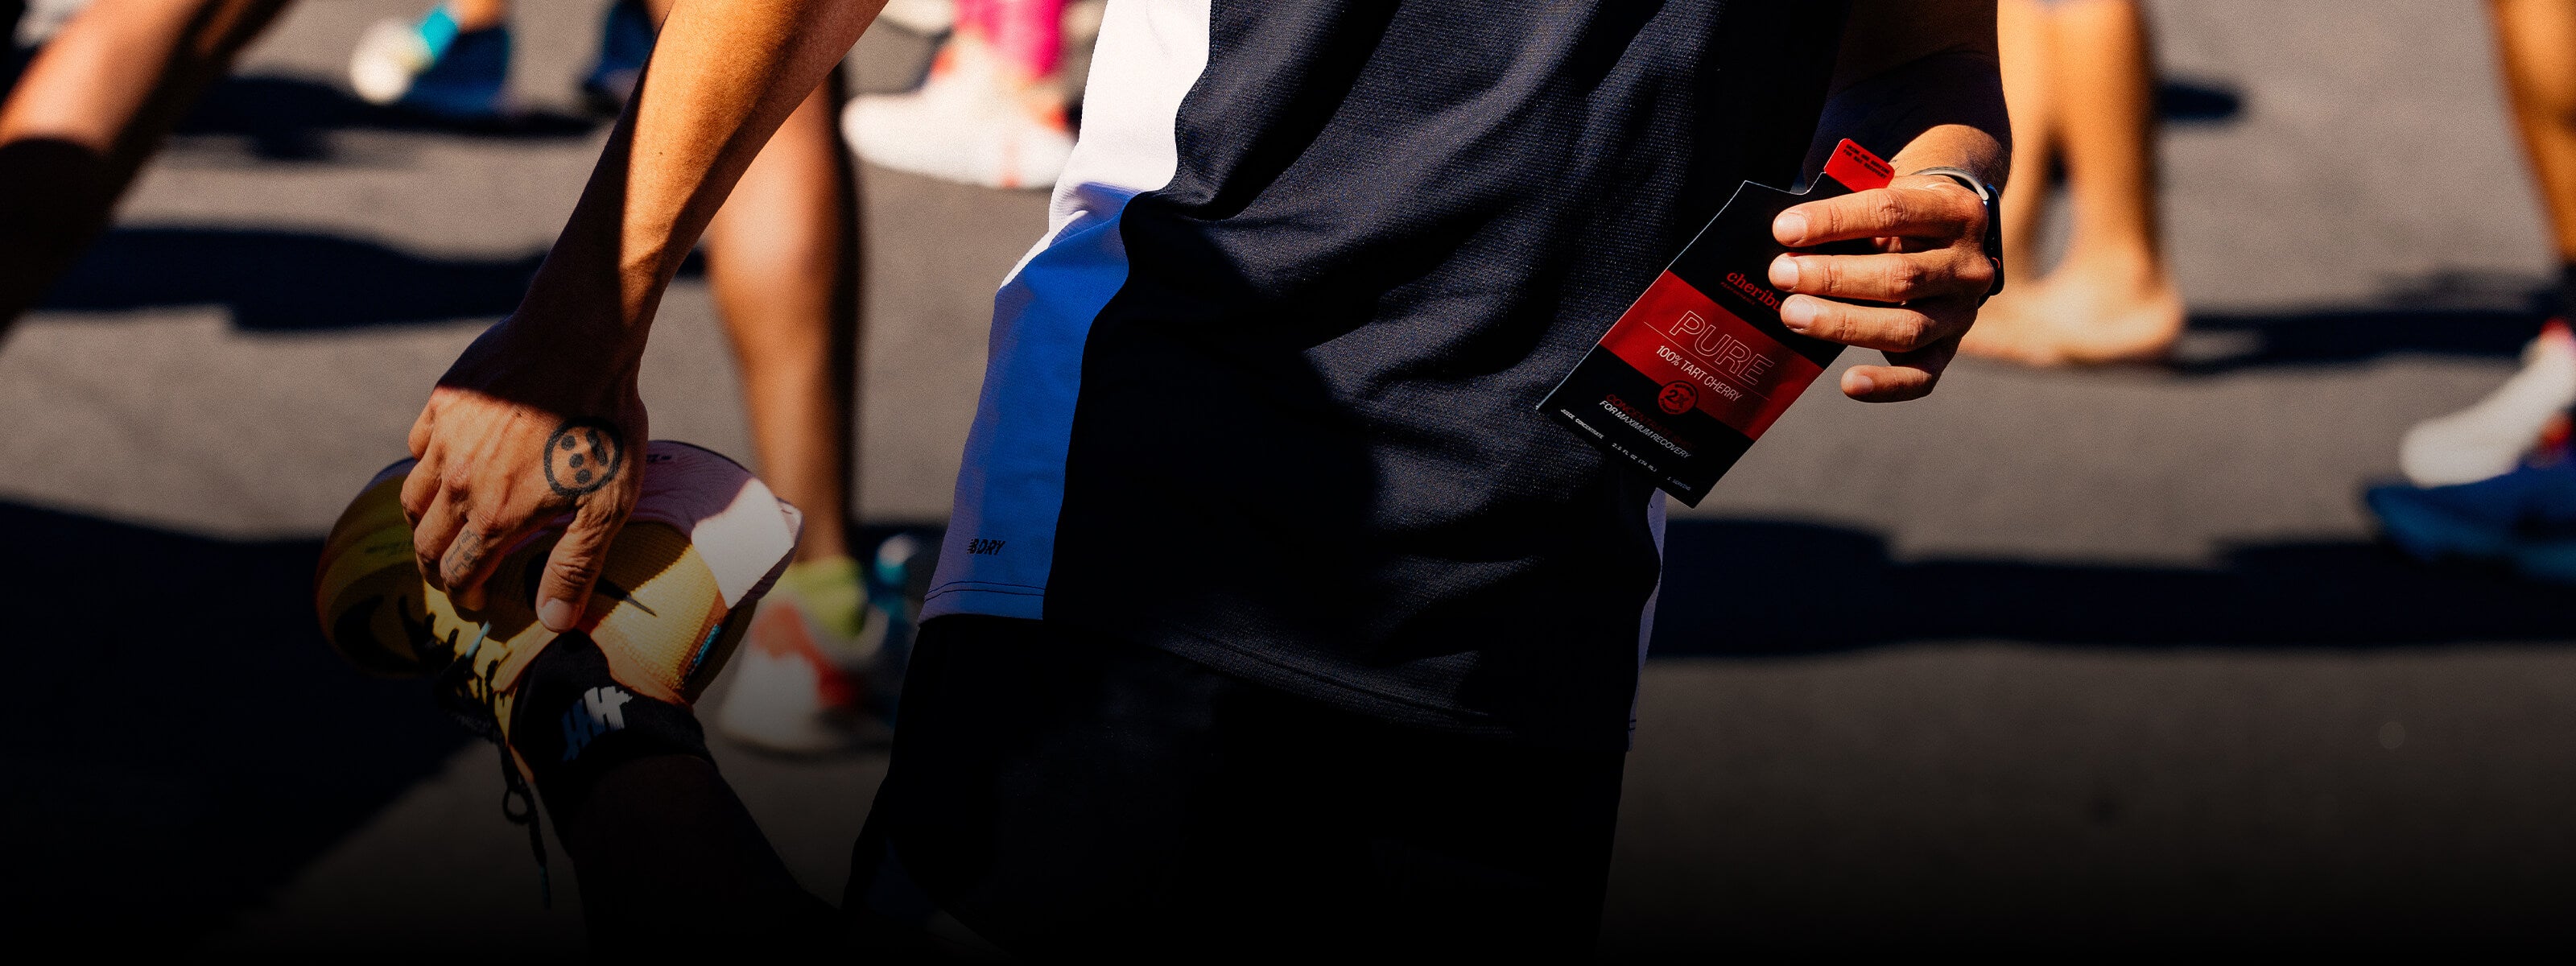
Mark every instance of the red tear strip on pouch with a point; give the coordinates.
(1709, 359)
(1856, 168)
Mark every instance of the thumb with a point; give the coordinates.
(574, 566)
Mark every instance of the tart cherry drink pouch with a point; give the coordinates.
(1700, 365)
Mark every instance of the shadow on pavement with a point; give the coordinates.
(2197, 102)
(1782, 588)
(287, 118)
(181, 741)
(287, 281)
(291, 281)
(2333, 336)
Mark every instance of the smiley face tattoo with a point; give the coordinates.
(583, 455)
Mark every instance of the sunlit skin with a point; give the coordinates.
(93, 106)
(1930, 230)
(723, 78)
(720, 81)
(2080, 77)
(2536, 47)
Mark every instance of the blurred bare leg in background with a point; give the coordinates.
(782, 262)
(778, 261)
(91, 108)
(2080, 78)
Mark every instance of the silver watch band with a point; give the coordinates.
(1993, 242)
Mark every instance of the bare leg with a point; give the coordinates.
(478, 14)
(782, 260)
(91, 108)
(779, 259)
(2005, 325)
(2113, 299)
(2536, 41)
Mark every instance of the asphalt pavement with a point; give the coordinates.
(2101, 657)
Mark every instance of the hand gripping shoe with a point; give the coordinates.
(705, 542)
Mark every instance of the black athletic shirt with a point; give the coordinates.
(1264, 396)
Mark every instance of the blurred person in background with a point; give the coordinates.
(995, 108)
(104, 93)
(2493, 483)
(2079, 76)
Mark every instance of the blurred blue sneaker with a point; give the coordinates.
(625, 43)
(433, 67)
(2525, 519)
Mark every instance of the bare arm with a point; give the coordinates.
(1918, 74)
(724, 74)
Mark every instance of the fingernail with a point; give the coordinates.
(556, 614)
(1784, 273)
(1789, 228)
(1856, 384)
(1797, 313)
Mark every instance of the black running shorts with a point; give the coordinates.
(1056, 795)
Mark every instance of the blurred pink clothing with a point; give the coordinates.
(1027, 34)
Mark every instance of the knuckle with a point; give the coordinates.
(1976, 271)
(1888, 208)
(1819, 274)
(1905, 280)
(1913, 331)
(1830, 323)
(456, 479)
(572, 570)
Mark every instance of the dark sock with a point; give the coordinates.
(670, 862)
(574, 723)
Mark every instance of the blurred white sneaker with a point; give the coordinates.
(965, 124)
(433, 66)
(800, 680)
(2490, 438)
(388, 56)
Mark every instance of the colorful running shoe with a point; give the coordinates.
(801, 684)
(625, 43)
(966, 124)
(705, 542)
(2490, 438)
(434, 67)
(2525, 519)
